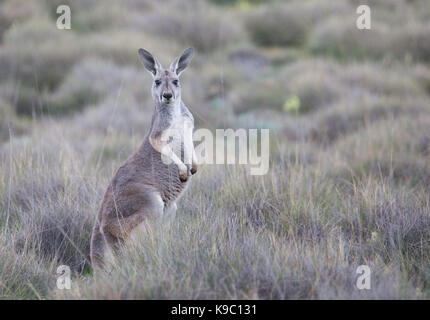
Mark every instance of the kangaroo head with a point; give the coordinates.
(166, 88)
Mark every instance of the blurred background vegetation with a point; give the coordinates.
(349, 116)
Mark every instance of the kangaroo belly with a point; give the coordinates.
(171, 186)
(164, 177)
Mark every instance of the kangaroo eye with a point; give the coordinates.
(157, 82)
(175, 82)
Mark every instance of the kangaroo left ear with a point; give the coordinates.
(149, 62)
(180, 63)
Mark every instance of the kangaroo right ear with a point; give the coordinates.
(150, 63)
(182, 61)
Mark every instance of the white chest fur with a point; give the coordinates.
(181, 136)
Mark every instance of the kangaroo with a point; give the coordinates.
(149, 182)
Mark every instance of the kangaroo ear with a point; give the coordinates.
(150, 63)
(182, 61)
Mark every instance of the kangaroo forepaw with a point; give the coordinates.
(183, 174)
(183, 177)
(193, 169)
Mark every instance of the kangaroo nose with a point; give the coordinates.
(167, 95)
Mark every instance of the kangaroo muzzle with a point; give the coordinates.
(167, 97)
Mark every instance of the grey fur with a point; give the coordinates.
(144, 187)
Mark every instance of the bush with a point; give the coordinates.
(37, 54)
(413, 43)
(314, 91)
(315, 83)
(341, 38)
(277, 25)
(88, 81)
(194, 23)
(421, 73)
(108, 15)
(261, 94)
(17, 11)
(377, 80)
(288, 24)
(9, 121)
(121, 47)
(26, 99)
(349, 116)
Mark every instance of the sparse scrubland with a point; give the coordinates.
(349, 178)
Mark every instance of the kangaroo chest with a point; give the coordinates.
(180, 133)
